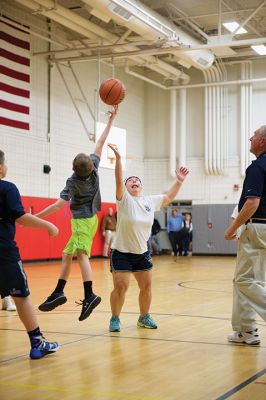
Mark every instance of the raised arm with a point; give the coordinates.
(35, 222)
(100, 142)
(174, 189)
(52, 208)
(120, 187)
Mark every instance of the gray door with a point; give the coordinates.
(209, 223)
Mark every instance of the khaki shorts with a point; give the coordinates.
(83, 232)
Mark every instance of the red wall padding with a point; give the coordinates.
(36, 244)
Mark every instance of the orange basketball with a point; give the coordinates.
(112, 91)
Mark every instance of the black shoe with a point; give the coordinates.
(185, 254)
(88, 305)
(53, 301)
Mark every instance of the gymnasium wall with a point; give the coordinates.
(57, 135)
(199, 187)
(36, 244)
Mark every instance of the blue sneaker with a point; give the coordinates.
(43, 349)
(114, 324)
(146, 321)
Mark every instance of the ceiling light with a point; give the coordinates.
(260, 49)
(232, 27)
(147, 18)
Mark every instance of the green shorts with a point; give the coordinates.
(83, 232)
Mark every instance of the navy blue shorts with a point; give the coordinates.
(13, 280)
(130, 262)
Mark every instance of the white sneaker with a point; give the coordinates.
(251, 337)
(8, 305)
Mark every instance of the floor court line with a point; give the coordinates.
(241, 385)
(261, 323)
(80, 391)
(119, 336)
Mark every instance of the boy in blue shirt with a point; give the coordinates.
(13, 280)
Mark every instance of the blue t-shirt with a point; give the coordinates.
(84, 193)
(175, 224)
(11, 208)
(255, 185)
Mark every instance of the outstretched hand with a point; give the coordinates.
(115, 150)
(181, 173)
(113, 113)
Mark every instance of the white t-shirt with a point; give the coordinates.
(135, 215)
(233, 216)
(235, 212)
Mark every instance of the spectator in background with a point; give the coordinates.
(153, 242)
(174, 226)
(108, 228)
(187, 234)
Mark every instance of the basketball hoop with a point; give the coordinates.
(112, 159)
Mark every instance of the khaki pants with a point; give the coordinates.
(249, 294)
(109, 237)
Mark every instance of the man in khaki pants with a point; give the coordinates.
(249, 297)
(108, 228)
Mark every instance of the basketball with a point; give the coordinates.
(112, 91)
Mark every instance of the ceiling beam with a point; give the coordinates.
(249, 18)
(216, 14)
(192, 24)
(250, 26)
(156, 51)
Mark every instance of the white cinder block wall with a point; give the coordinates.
(199, 187)
(57, 135)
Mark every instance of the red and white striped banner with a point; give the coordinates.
(15, 75)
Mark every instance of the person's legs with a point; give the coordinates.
(107, 240)
(117, 297)
(173, 241)
(144, 280)
(66, 266)
(249, 278)
(39, 347)
(249, 295)
(155, 244)
(186, 244)
(26, 312)
(7, 304)
(58, 297)
(112, 236)
(91, 300)
(85, 266)
(179, 239)
(145, 295)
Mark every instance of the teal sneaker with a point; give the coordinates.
(146, 322)
(114, 324)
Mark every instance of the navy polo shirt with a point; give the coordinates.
(11, 208)
(255, 185)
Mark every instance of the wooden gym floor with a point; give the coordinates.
(187, 357)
